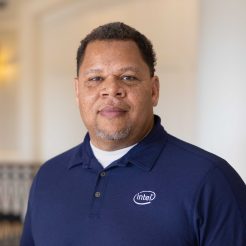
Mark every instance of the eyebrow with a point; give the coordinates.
(122, 70)
(129, 68)
(92, 70)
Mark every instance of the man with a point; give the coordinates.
(130, 183)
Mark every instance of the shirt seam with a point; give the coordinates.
(205, 157)
(197, 192)
(202, 183)
(233, 195)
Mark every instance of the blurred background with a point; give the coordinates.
(201, 51)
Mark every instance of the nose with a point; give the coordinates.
(112, 87)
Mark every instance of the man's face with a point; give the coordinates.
(115, 94)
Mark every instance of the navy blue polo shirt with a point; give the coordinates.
(163, 192)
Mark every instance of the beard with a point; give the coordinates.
(115, 136)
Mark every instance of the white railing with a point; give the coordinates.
(15, 182)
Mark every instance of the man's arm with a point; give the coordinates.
(27, 236)
(220, 209)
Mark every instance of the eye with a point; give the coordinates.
(129, 78)
(95, 78)
(93, 81)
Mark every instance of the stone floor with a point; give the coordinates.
(10, 233)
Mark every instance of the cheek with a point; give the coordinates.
(86, 112)
(86, 103)
(141, 100)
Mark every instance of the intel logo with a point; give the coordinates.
(144, 197)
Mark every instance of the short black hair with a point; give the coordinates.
(119, 31)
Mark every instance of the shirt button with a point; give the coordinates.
(97, 194)
(103, 174)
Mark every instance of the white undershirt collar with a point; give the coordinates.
(107, 157)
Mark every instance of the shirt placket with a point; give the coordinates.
(99, 194)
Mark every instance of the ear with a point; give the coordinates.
(155, 90)
(76, 88)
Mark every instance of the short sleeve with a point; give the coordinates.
(220, 208)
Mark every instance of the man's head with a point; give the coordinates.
(123, 32)
(116, 89)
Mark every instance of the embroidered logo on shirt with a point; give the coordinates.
(144, 197)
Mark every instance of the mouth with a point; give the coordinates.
(112, 111)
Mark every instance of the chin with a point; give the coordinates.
(113, 135)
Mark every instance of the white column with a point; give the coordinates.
(222, 81)
(31, 14)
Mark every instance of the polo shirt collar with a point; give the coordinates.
(151, 146)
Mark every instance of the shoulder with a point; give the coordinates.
(191, 151)
(200, 166)
(190, 155)
(61, 162)
(213, 174)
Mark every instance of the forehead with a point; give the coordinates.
(97, 44)
(113, 53)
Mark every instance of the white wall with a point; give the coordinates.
(171, 25)
(8, 89)
(222, 81)
(208, 110)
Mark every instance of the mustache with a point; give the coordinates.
(114, 106)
